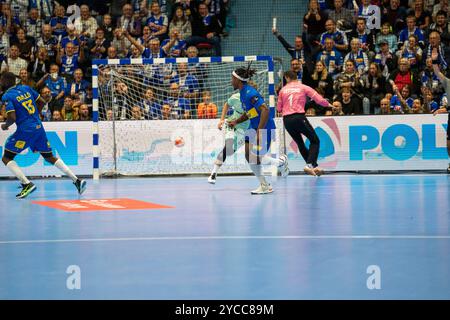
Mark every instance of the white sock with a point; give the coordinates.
(256, 168)
(65, 169)
(215, 169)
(269, 160)
(14, 168)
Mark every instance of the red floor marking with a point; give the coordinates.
(100, 204)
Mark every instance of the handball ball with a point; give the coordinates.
(179, 142)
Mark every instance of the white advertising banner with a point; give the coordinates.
(71, 141)
(357, 143)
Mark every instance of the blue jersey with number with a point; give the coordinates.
(22, 100)
(252, 101)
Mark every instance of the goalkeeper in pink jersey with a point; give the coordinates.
(291, 104)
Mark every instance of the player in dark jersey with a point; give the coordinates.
(259, 137)
(23, 106)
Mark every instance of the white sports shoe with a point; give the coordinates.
(263, 189)
(212, 178)
(283, 167)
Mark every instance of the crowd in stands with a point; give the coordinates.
(48, 47)
(360, 69)
(365, 70)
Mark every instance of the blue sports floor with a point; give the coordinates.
(313, 238)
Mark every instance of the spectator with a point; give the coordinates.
(441, 26)
(404, 76)
(84, 113)
(136, 113)
(314, 22)
(205, 28)
(336, 110)
(206, 109)
(339, 37)
(411, 29)
(157, 21)
(121, 43)
(441, 6)
(151, 108)
(85, 24)
(179, 46)
(54, 82)
(45, 9)
(301, 49)
(401, 101)
(107, 27)
(395, 16)
(14, 63)
(178, 105)
(386, 35)
(167, 113)
(59, 23)
(385, 58)
(8, 20)
(25, 79)
(364, 10)
(375, 86)
(199, 70)
(429, 103)
(19, 9)
(129, 21)
(39, 65)
(423, 17)
(358, 56)
(50, 106)
(181, 23)
(349, 78)
(187, 83)
(435, 44)
(25, 46)
(4, 44)
(109, 115)
(120, 101)
(69, 112)
(332, 58)
(99, 45)
(33, 25)
(78, 86)
(417, 107)
(365, 36)
(48, 41)
(385, 107)
(343, 16)
(430, 80)
(72, 37)
(310, 112)
(146, 36)
(320, 79)
(56, 116)
(70, 60)
(112, 53)
(412, 52)
(350, 105)
(154, 50)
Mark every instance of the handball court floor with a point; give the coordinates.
(313, 238)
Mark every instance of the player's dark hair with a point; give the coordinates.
(7, 80)
(290, 75)
(245, 73)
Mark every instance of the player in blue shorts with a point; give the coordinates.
(261, 132)
(23, 106)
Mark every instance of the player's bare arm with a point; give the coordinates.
(10, 120)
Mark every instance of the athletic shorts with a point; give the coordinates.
(36, 140)
(268, 136)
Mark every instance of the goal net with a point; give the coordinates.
(160, 116)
